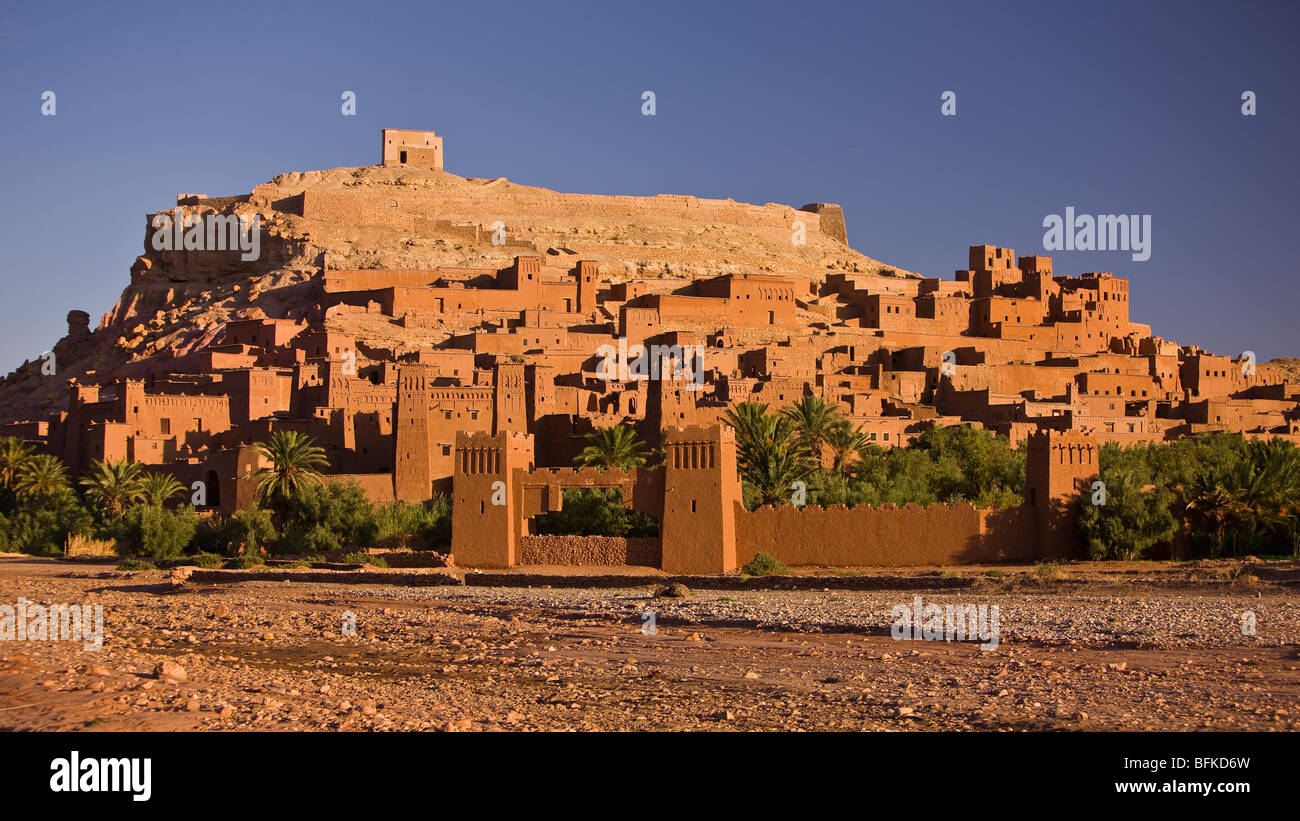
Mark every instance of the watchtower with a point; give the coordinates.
(1059, 465)
(412, 466)
(487, 516)
(416, 149)
(701, 490)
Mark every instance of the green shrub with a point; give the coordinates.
(430, 523)
(1049, 571)
(435, 527)
(764, 565)
(154, 532)
(245, 561)
(950, 464)
(1130, 522)
(136, 564)
(207, 560)
(209, 534)
(317, 538)
(249, 530)
(42, 529)
(361, 557)
(327, 517)
(596, 512)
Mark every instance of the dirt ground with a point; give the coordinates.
(1089, 655)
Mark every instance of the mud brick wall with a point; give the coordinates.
(378, 487)
(589, 550)
(866, 536)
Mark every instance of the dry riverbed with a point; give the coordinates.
(278, 656)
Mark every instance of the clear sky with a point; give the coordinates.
(1111, 108)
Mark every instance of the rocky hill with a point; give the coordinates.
(177, 301)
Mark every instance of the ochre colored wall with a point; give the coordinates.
(378, 487)
(866, 536)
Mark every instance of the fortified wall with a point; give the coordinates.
(868, 536)
(705, 528)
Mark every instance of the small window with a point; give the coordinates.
(166, 427)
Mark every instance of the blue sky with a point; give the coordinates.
(1107, 107)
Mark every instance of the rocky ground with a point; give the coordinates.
(276, 656)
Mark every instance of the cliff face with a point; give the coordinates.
(178, 301)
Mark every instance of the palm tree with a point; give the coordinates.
(1272, 487)
(747, 419)
(814, 420)
(295, 463)
(156, 489)
(14, 453)
(113, 486)
(614, 447)
(41, 477)
(771, 456)
(1220, 507)
(846, 443)
(776, 461)
(1277, 463)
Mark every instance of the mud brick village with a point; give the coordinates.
(440, 336)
